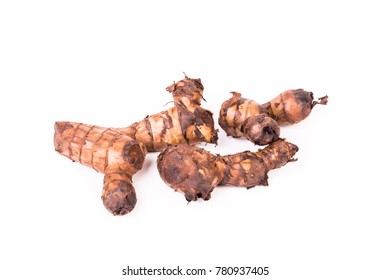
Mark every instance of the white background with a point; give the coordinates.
(325, 216)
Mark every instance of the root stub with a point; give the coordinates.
(261, 129)
(119, 199)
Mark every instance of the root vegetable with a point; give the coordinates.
(186, 122)
(292, 106)
(241, 117)
(117, 156)
(119, 152)
(196, 172)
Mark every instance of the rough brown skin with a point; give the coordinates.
(241, 117)
(196, 172)
(119, 152)
(186, 122)
(117, 156)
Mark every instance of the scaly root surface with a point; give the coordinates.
(196, 172)
(186, 122)
(117, 156)
(241, 117)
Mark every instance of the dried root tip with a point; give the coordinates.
(118, 195)
(322, 101)
(261, 129)
(187, 91)
(192, 195)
